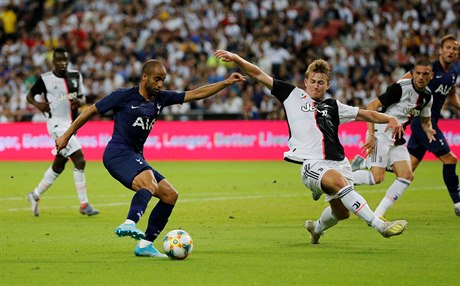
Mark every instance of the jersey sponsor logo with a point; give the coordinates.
(412, 111)
(144, 123)
(67, 96)
(443, 89)
(308, 107)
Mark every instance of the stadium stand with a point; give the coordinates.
(369, 43)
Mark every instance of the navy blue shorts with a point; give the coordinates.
(124, 164)
(418, 143)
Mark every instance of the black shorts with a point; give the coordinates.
(418, 143)
(124, 164)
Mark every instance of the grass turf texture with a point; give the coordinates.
(246, 220)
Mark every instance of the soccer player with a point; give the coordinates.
(313, 127)
(135, 112)
(61, 93)
(405, 99)
(446, 70)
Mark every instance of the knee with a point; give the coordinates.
(378, 179)
(80, 164)
(169, 194)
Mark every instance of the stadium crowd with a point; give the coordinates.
(370, 44)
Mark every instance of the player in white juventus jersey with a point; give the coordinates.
(61, 92)
(313, 142)
(406, 99)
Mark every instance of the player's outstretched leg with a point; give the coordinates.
(146, 248)
(33, 200)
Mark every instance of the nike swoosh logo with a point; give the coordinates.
(134, 107)
(439, 76)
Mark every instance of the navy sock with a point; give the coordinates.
(157, 220)
(138, 204)
(451, 181)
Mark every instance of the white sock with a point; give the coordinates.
(144, 243)
(394, 192)
(48, 179)
(128, 221)
(326, 220)
(80, 184)
(356, 204)
(363, 177)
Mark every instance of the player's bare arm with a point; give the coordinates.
(210, 89)
(42, 106)
(428, 129)
(377, 117)
(453, 100)
(248, 68)
(369, 145)
(61, 141)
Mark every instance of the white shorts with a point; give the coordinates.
(71, 147)
(312, 172)
(385, 153)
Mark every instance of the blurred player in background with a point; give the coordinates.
(61, 91)
(446, 70)
(406, 99)
(135, 112)
(313, 127)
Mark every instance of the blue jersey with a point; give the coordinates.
(134, 116)
(440, 86)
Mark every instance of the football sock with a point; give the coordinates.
(138, 204)
(356, 204)
(393, 193)
(80, 184)
(144, 243)
(157, 220)
(326, 220)
(48, 179)
(451, 181)
(363, 177)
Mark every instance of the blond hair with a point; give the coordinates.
(319, 66)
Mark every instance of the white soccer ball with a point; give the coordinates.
(177, 244)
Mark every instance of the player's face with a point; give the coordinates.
(421, 76)
(154, 81)
(449, 51)
(316, 85)
(60, 63)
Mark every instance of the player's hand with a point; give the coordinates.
(368, 147)
(430, 134)
(61, 143)
(395, 125)
(225, 56)
(43, 106)
(235, 77)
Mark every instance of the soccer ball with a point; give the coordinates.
(177, 244)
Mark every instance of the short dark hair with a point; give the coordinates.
(423, 62)
(59, 51)
(149, 65)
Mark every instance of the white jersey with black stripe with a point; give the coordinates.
(58, 92)
(313, 125)
(404, 102)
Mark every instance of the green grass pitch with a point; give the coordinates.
(246, 219)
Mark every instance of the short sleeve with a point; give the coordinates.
(347, 113)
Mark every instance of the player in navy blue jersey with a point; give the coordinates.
(135, 111)
(58, 94)
(446, 70)
(314, 144)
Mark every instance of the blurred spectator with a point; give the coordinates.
(368, 43)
